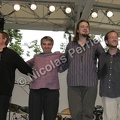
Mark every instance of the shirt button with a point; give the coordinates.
(109, 87)
(110, 74)
(110, 68)
(109, 80)
(110, 62)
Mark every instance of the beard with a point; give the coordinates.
(85, 35)
(112, 46)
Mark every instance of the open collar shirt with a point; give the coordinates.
(45, 70)
(109, 71)
(82, 61)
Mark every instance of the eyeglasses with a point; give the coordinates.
(113, 37)
(87, 27)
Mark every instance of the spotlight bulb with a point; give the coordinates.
(68, 10)
(109, 13)
(16, 7)
(33, 6)
(51, 8)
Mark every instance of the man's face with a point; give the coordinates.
(46, 46)
(83, 29)
(112, 40)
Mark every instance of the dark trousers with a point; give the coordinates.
(4, 105)
(43, 101)
(81, 102)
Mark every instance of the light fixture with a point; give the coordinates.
(17, 7)
(51, 8)
(33, 6)
(109, 13)
(94, 13)
(68, 10)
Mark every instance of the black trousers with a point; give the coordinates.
(4, 105)
(43, 101)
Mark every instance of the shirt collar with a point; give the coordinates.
(118, 52)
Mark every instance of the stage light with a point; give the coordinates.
(68, 10)
(109, 13)
(33, 6)
(51, 8)
(94, 13)
(17, 7)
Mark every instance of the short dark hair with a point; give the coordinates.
(48, 38)
(5, 35)
(106, 35)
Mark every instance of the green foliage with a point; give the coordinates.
(15, 43)
(15, 40)
(16, 47)
(63, 47)
(34, 45)
(64, 44)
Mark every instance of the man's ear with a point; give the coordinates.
(106, 41)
